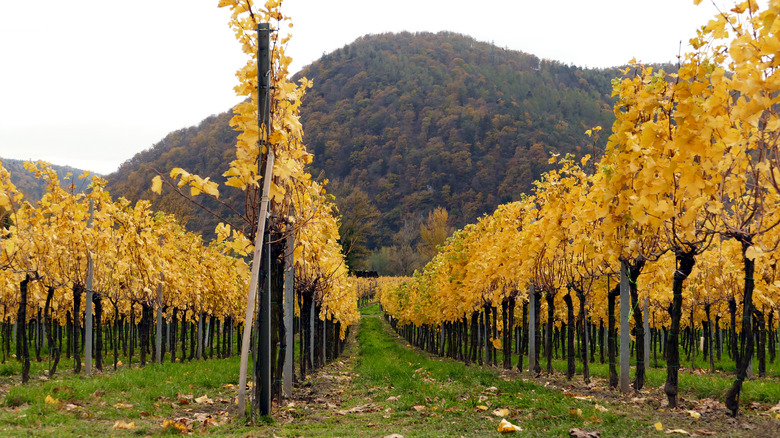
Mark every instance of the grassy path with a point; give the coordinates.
(381, 386)
(390, 387)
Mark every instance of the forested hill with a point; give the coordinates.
(424, 120)
(32, 188)
(415, 121)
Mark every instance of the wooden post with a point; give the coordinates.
(312, 326)
(264, 341)
(531, 329)
(88, 319)
(88, 307)
(158, 336)
(647, 331)
(263, 70)
(289, 310)
(200, 335)
(625, 338)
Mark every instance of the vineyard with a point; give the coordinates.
(660, 252)
(110, 277)
(679, 219)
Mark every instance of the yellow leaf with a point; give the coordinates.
(659, 427)
(121, 424)
(51, 400)
(482, 408)
(157, 184)
(503, 412)
(205, 399)
(693, 414)
(507, 427)
(211, 188)
(753, 252)
(680, 431)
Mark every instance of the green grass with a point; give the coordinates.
(695, 382)
(397, 378)
(145, 396)
(380, 386)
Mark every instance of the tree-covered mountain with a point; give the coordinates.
(33, 188)
(413, 122)
(425, 120)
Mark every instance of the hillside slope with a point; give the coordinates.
(414, 121)
(424, 120)
(32, 188)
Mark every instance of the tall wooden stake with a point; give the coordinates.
(625, 338)
(289, 310)
(88, 307)
(264, 117)
(647, 331)
(531, 329)
(158, 336)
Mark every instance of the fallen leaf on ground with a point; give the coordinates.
(482, 408)
(693, 414)
(205, 399)
(601, 408)
(121, 405)
(658, 426)
(121, 424)
(575, 412)
(393, 398)
(503, 412)
(418, 408)
(579, 433)
(775, 408)
(680, 431)
(179, 425)
(506, 427)
(395, 435)
(358, 409)
(51, 400)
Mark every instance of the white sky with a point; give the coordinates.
(89, 83)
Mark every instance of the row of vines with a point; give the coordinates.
(680, 218)
(136, 262)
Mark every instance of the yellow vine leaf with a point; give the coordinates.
(157, 184)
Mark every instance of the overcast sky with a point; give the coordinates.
(89, 83)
